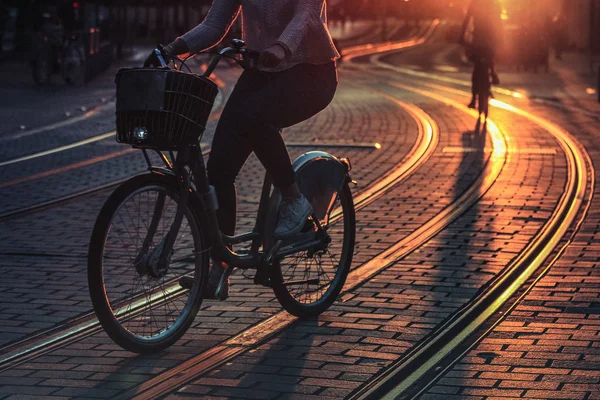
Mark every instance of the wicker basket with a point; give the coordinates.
(162, 109)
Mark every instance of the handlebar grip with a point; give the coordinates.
(156, 59)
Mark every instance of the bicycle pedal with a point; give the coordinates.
(309, 226)
(262, 278)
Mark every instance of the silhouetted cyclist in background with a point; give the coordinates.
(487, 36)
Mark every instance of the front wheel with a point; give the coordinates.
(139, 302)
(308, 282)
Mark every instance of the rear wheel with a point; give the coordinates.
(308, 282)
(482, 87)
(484, 103)
(141, 304)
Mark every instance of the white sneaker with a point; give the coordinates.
(292, 216)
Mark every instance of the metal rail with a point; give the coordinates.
(260, 333)
(401, 378)
(55, 125)
(70, 331)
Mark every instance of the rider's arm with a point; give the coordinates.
(213, 29)
(306, 15)
(465, 24)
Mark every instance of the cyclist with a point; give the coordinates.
(487, 35)
(295, 79)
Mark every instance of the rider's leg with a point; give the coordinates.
(278, 100)
(473, 102)
(492, 65)
(291, 97)
(228, 154)
(261, 104)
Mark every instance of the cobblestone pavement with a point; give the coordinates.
(545, 347)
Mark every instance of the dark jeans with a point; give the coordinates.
(261, 104)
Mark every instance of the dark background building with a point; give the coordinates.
(109, 28)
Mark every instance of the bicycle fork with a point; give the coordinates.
(155, 263)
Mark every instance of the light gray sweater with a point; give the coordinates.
(299, 25)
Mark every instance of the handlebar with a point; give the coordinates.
(160, 58)
(248, 61)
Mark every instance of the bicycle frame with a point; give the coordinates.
(221, 249)
(221, 244)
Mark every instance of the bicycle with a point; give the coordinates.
(159, 229)
(52, 55)
(482, 80)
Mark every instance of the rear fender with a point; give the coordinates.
(320, 176)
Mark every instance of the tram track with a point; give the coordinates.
(255, 336)
(47, 341)
(376, 59)
(419, 363)
(354, 52)
(74, 166)
(91, 191)
(350, 53)
(417, 369)
(60, 124)
(425, 356)
(86, 325)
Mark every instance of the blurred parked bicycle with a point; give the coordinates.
(56, 53)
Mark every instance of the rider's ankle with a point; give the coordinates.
(291, 192)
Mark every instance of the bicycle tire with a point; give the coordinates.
(115, 250)
(484, 103)
(281, 277)
(483, 89)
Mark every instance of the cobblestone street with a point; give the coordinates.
(476, 268)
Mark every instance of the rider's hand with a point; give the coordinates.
(272, 56)
(177, 47)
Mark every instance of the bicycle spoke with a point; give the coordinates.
(147, 306)
(309, 276)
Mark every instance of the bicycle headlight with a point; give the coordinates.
(140, 133)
